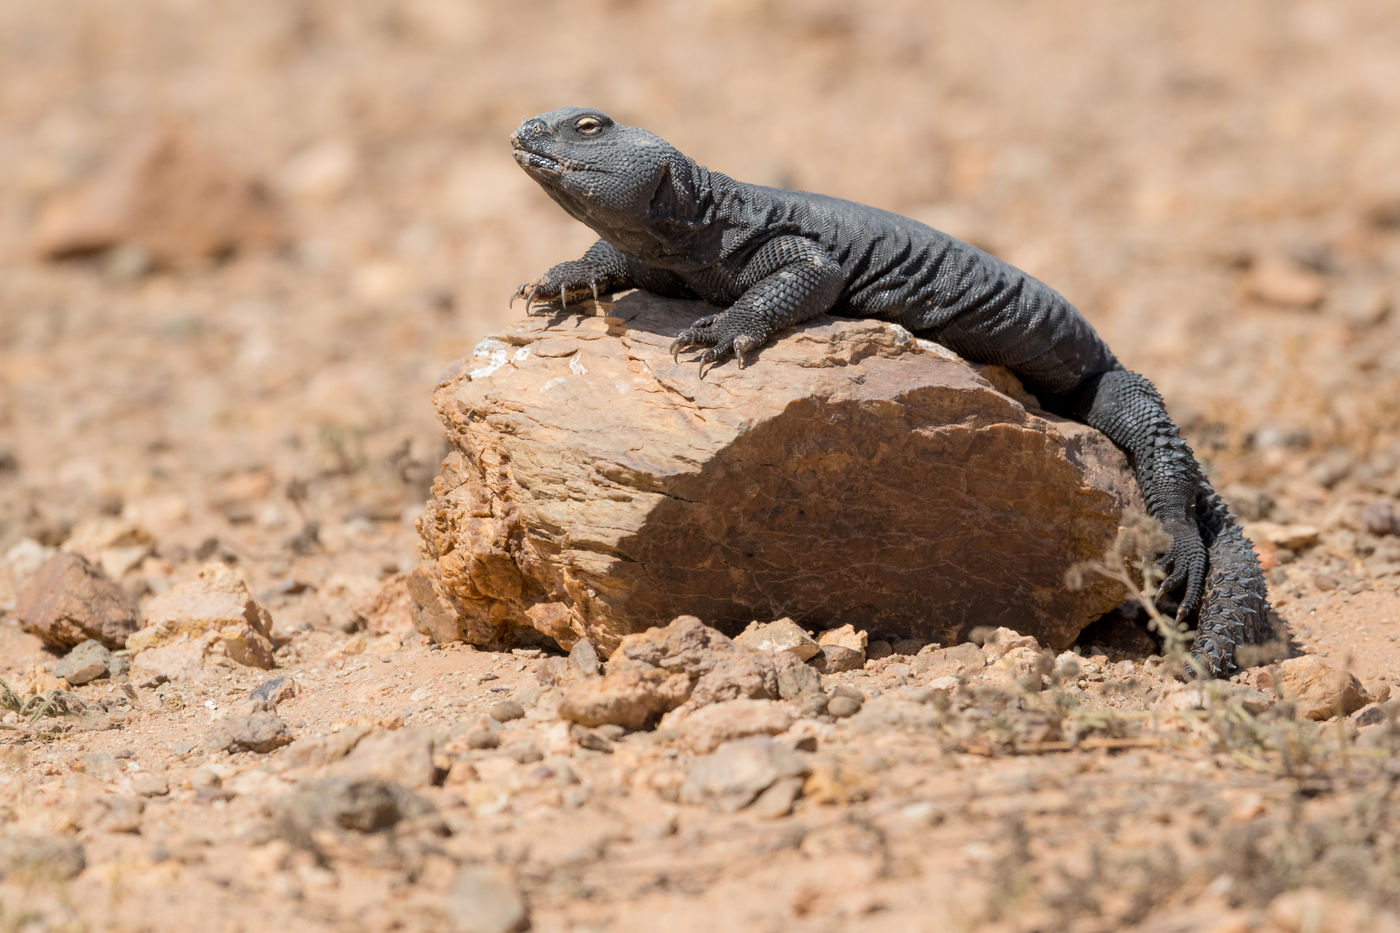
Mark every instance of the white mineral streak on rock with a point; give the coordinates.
(488, 356)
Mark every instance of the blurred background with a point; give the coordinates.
(240, 240)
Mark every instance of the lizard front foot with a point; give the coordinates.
(569, 280)
(722, 337)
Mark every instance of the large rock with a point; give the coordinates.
(70, 600)
(849, 474)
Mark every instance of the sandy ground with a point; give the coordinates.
(1214, 184)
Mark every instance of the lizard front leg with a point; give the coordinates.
(789, 279)
(601, 271)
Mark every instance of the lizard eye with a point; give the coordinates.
(589, 126)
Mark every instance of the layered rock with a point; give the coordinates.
(849, 474)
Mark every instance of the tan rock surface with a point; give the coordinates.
(217, 603)
(596, 488)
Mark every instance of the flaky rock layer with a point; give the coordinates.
(849, 474)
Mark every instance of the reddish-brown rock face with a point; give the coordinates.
(849, 474)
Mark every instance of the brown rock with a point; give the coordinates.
(594, 487)
(1320, 690)
(169, 196)
(217, 605)
(70, 601)
(629, 698)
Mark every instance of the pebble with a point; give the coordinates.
(483, 738)
(88, 661)
(485, 900)
(507, 710)
(842, 706)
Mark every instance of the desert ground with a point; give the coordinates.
(241, 394)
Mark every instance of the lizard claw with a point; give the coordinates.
(743, 344)
(677, 346)
(708, 360)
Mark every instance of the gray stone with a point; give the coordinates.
(87, 661)
(507, 710)
(251, 726)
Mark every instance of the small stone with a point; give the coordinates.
(1003, 641)
(483, 738)
(1279, 281)
(218, 604)
(942, 662)
(631, 698)
(706, 729)
(1296, 538)
(364, 805)
(1381, 518)
(121, 814)
(778, 800)
(1319, 690)
(583, 658)
(146, 784)
(524, 753)
(182, 660)
(35, 858)
(846, 637)
(251, 726)
(507, 710)
(276, 690)
(879, 649)
(842, 706)
(835, 659)
(592, 739)
(87, 661)
(733, 776)
(744, 674)
(404, 756)
(796, 679)
(782, 635)
(485, 900)
(1371, 715)
(70, 600)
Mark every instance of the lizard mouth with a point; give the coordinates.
(537, 162)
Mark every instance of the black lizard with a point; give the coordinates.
(774, 258)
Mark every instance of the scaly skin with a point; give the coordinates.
(774, 258)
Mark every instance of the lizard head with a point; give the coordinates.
(635, 189)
